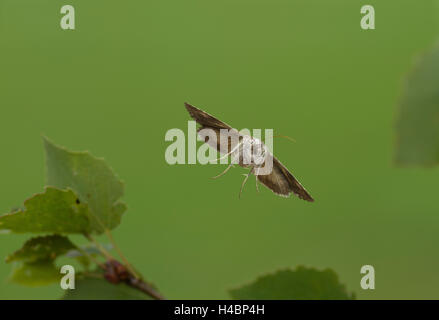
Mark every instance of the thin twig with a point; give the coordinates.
(125, 260)
(144, 287)
(100, 247)
(91, 257)
(133, 280)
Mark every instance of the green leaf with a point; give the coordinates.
(35, 274)
(54, 211)
(417, 129)
(90, 249)
(42, 248)
(300, 284)
(100, 289)
(83, 253)
(34, 262)
(92, 179)
(84, 261)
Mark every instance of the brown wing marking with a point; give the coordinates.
(209, 122)
(228, 142)
(205, 119)
(282, 182)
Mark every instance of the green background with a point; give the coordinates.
(117, 83)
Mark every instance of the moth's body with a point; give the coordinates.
(251, 152)
(247, 152)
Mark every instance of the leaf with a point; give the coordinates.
(34, 262)
(300, 284)
(83, 254)
(100, 289)
(92, 179)
(42, 248)
(54, 211)
(90, 249)
(35, 274)
(84, 261)
(417, 126)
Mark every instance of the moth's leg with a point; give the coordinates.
(256, 177)
(224, 172)
(245, 180)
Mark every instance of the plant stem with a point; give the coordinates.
(100, 247)
(134, 280)
(145, 288)
(124, 259)
(85, 253)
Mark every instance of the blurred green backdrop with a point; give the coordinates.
(117, 83)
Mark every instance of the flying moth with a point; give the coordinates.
(247, 152)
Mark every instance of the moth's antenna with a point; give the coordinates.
(286, 137)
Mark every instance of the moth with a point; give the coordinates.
(247, 152)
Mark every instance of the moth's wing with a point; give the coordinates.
(214, 132)
(205, 119)
(222, 141)
(282, 182)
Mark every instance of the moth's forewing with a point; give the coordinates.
(205, 119)
(282, 182)
(223, 140)
(214, 132)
